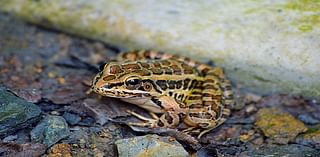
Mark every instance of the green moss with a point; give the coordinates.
(251, 10)
(307, 22)
(279, 126)
(304, 5)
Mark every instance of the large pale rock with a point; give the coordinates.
(267, 46)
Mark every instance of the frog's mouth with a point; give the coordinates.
(120, 93)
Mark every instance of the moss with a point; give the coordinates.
(304, 22)
(279, 126)
(308, 22)
(304, 5)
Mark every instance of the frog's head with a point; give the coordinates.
(124, 80)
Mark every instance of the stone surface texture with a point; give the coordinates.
(15, 113)
(50, 130)
(150, 145)
(267, 46)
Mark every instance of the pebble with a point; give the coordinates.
(310, 138)
(71, 118)
(50, 130)
(150, 145)
(292, 150)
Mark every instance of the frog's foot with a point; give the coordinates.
(197, 131)
(204, 132)
(192, 130)
(210, 126)
(149, 122)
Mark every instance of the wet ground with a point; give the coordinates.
(45, 110)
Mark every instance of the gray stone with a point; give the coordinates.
(292, 150)
(150, 145)
(266, 46)
(15, 113)
(50, 130)
(71, 118)
(310, 138)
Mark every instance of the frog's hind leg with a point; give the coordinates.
(217, 99)
(208, 128)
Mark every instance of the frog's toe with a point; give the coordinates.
(192, 130)
(150, 124)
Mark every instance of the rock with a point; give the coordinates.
(266, 49)
(247, 136)
(280, 127)
(32, 95)
(308, 119)
(92, 141)
(50, 130)
(292, 150)
(310, 138)
(21, 150)
(60, 150)
(150, 145)
(10, 138)
(15, 113)
(71, 118)
(207, 151)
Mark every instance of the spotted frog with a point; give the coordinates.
(171, 88)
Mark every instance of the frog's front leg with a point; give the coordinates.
(170, 110)
(169, 119)
(149, 122)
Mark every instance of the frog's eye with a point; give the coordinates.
(133, 82)
(101, 67)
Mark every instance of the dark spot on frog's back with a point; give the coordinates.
(156, 71)
(162, 84)
(157, 65)
(193, 84)
(157, 102)
(168, 70)
(176, 69)
(195, 97)
(109, 77)
(115, 69)
(142, 72)
(186, 83)
(187, 69)
(179, 84)
(171, 84)
(165, 63)
(130, 66)
(144, 65)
